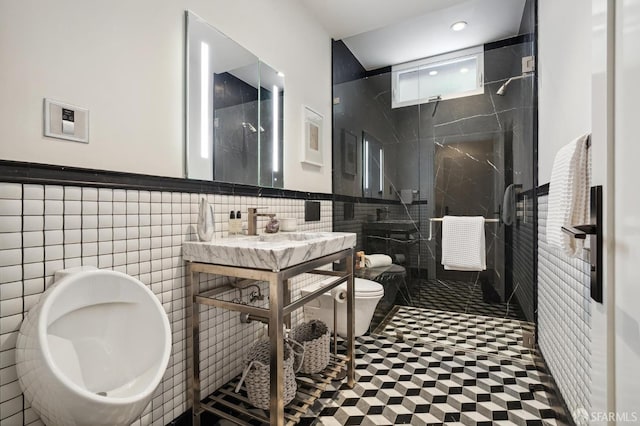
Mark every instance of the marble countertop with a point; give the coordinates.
(268, 251)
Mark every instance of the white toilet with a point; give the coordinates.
(367, 295)
(93, 350)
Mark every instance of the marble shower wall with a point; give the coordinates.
(243, 133)
(363, 105)
(243, 155)
(236, 147)
(363, 212)
(459, 154)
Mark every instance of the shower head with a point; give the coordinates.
(503, 88)
(501, 91)
(249, 126)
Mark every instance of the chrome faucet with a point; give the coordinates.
(253, 219)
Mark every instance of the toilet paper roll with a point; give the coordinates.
(339, 294)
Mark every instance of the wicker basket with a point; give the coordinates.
(314, 337)
(257, 376)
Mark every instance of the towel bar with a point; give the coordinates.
(580, 232)
(439, 219)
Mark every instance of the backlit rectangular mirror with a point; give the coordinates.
(234, 110)
(373, 167)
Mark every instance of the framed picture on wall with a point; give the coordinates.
(349, 153)
(313, 147)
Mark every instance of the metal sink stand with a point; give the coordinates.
(278, 313)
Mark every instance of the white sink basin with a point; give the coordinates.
(268, 251)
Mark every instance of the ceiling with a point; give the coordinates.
(383, 32)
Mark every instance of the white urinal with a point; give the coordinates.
(93, 350)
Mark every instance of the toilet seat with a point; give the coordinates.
(364, 289)
(330, 307)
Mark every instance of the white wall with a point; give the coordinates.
(627, 211)
(573, 73)
(601, 319)
(564, 69)
(123, 60)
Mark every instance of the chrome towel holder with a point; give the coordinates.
(439, 219)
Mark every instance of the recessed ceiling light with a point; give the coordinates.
(459, 26)
(434, 72)
(464, 70)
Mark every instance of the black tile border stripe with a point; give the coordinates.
(529, 193)
(49, 174)
(540, 191)
(543, 190)
(365, 200)
(519, 39)
(37, 173)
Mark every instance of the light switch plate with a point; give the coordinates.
(65, 121)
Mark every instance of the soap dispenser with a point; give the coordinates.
(235, 223)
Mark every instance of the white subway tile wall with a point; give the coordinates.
(45, 228)
(564, 318)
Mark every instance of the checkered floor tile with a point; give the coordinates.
(447, 358)
(456, 296)
(494, 336)
(411, 382)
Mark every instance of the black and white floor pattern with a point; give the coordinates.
(412, 382)
(448, 359)
(487, 335)
(457, 296)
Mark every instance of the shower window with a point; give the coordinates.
(448, 76)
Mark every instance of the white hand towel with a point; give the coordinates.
(463, 243)
(569, 195)
(377, 260)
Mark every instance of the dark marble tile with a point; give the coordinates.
(471, 106)
(411, 137)
(505, 62)
(451, 128)
(480, 124)
(345, 65)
